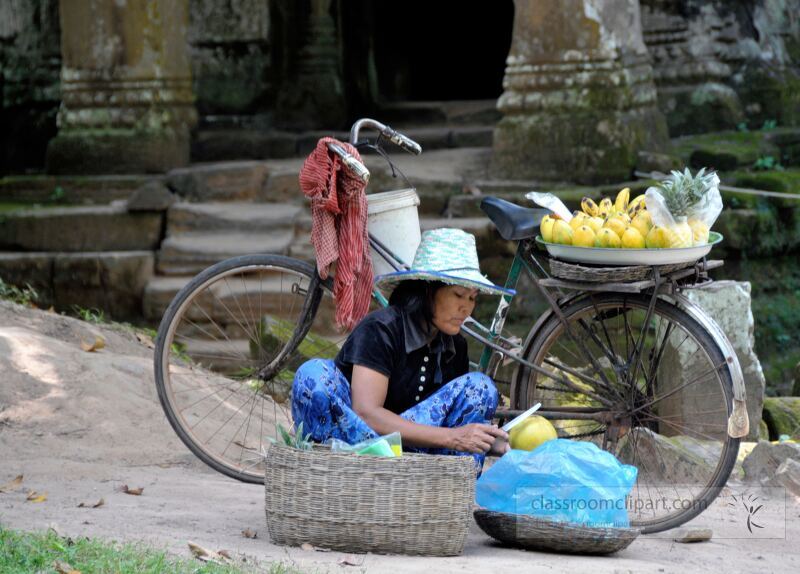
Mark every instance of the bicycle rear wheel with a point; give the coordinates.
(656, 392)
(226, 352)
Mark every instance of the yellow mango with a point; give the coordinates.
(546, 228)
(577, 220)
(616, 225)
(632, 239)
(595, 223)
(583, 236)
(643, 222)
(607, 238)
(562, 233)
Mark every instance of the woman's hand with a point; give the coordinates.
(476, 437)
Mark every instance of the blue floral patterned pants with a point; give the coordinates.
(321, 401)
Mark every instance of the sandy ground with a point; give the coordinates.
(80, 425)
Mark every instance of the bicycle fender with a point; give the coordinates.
(738, 422)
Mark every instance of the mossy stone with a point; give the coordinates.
(782, 415)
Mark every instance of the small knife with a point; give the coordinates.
(516, 420)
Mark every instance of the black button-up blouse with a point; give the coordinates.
(389, 342)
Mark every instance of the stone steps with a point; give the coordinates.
(191, 252)
(230, 216)
(408, 113)
(80, 229)
(230, 144)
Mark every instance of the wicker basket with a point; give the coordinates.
(539, 534)
(416, 504)
(576, 272)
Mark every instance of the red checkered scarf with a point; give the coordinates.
(339, 229)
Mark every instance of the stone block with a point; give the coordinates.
(649, 161)
(113, 282)
(219, 181)
(761, 465)
(237, 144)
(95, 228)
(71, 189)
(728, 303)
(34, 269)
(782, 415)
(128, 151)
(788, 476)
(152, 196)
(283, 185)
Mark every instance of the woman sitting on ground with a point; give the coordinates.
(405, 368)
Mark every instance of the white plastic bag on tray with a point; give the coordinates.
(551, 202)
(700, 217)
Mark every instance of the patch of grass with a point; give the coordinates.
(92, 315)
(26, 295)
(37, 552)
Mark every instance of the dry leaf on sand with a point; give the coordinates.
(205, 554)
(97, 504)
(99, 343)
(13, 485)
(134, 491)
(34, 496)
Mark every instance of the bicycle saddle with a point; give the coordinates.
(512, 221)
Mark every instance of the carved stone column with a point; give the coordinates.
(687, 41)
(314, 97)
(126, 87)
(579, 98)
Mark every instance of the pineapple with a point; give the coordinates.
(682, 193)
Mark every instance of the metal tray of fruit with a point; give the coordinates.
(618, 256)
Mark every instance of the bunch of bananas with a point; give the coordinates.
(622, 223)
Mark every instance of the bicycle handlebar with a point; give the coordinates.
(349, 160)
(400, 140)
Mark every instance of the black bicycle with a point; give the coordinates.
(631, 366)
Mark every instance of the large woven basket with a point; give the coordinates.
(539, 534)
(416, 504)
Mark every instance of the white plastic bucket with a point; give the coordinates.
(393, 220)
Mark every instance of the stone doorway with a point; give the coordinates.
(413, 50)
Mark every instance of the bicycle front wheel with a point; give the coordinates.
(653, 388)
(226, 352)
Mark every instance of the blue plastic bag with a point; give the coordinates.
(561, 480)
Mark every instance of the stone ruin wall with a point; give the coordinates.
(715, 63)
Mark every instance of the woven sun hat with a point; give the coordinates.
(446, 255)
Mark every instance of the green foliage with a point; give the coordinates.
(92, 315)
(298, 440)
(767, 162)
(58, 194)
(36, 552)
(179, 350)
(26, 295)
